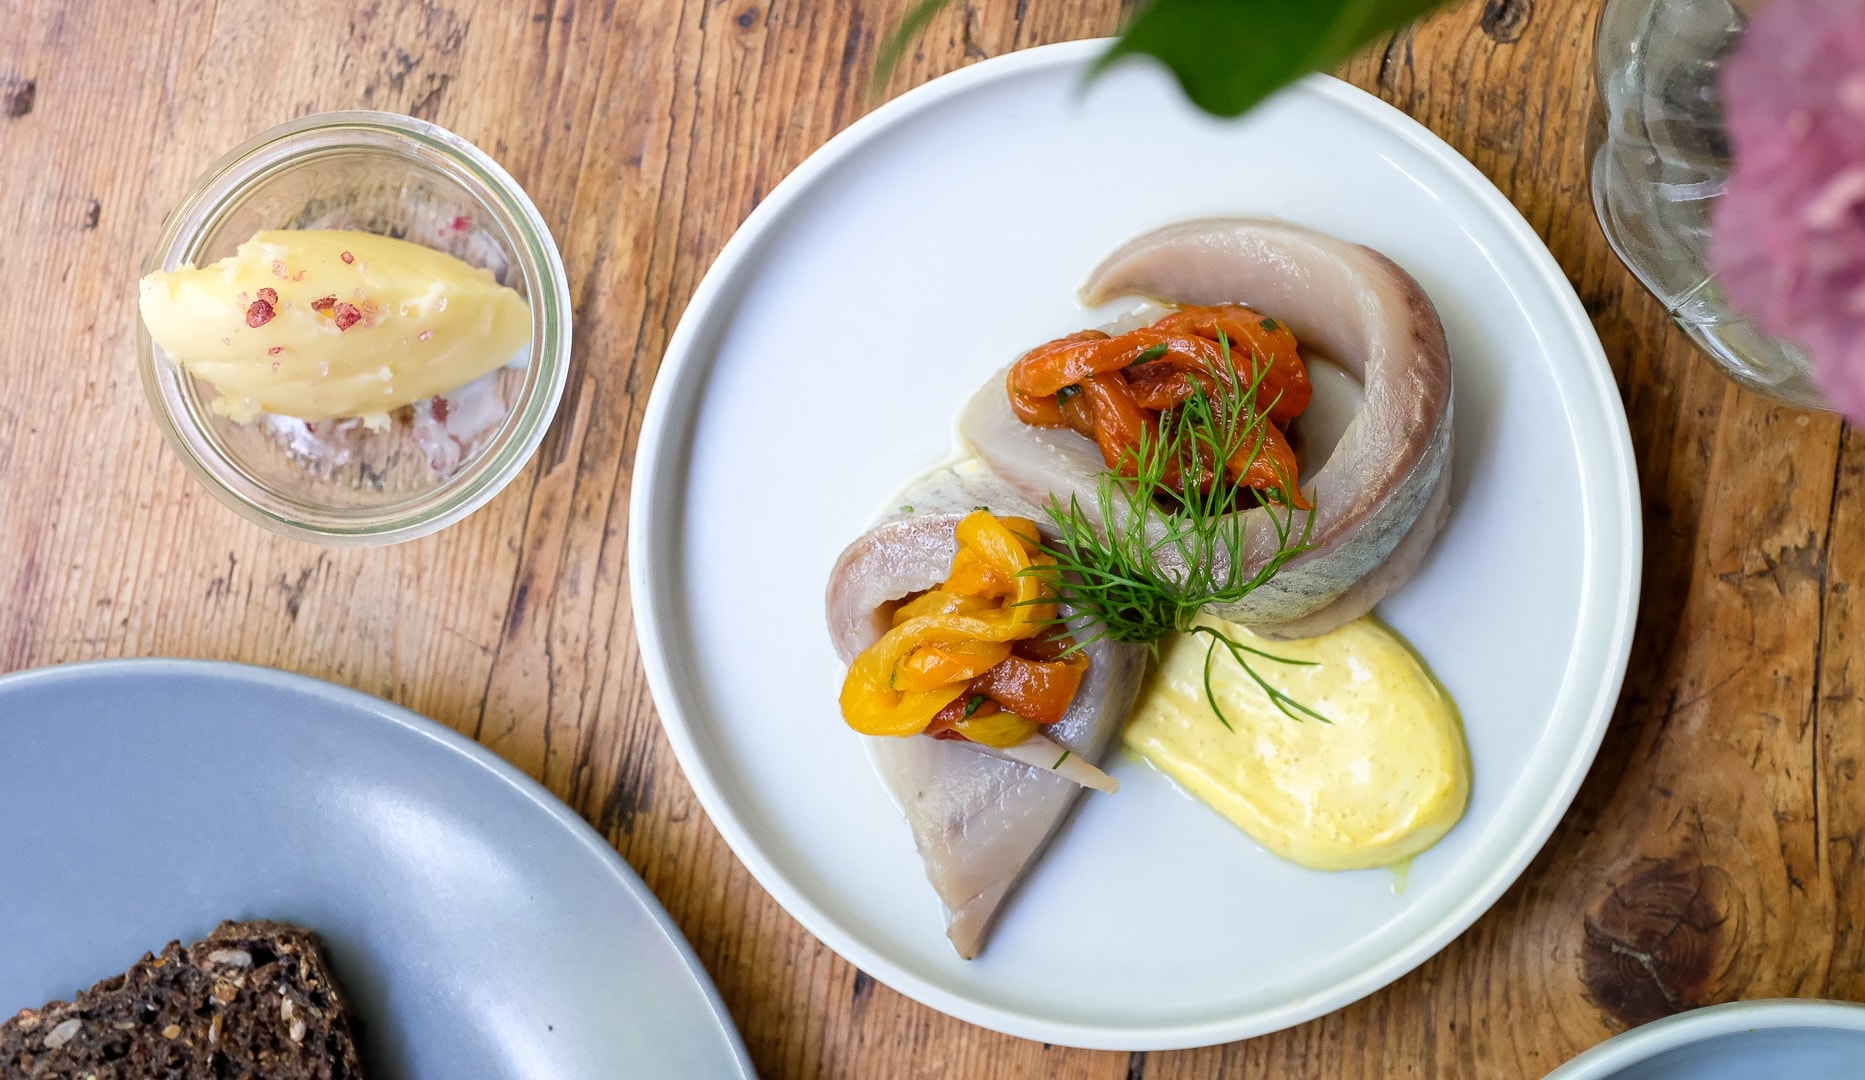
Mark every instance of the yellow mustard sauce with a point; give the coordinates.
(1383, 780)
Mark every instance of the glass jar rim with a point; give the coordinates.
(270, 153)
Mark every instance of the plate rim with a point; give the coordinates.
(681, 369)
(472, 753)
(1645, 1042)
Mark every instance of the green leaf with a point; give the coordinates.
(895, 45)
(1230, 54)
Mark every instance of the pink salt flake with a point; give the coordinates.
(259, 313)
(452, 427)
(278, 269)
(347, 315)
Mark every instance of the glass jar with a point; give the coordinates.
(396, 176)
(1660, 160)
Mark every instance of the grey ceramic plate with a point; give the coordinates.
(481, 928)
(1743, 1040)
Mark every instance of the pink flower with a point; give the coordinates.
(1788, 237)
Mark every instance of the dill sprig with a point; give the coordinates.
(1157, 555)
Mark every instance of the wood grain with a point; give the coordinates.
(1715, 851)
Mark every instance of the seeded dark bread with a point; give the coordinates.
(254, 999)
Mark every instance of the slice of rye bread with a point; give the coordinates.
(254, 999)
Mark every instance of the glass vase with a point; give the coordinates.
(1660, 160)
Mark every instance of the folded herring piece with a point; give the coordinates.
(1381, 494)
(978, 819)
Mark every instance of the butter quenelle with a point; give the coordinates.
(321, 324)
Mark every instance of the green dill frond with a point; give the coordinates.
(1155, 555)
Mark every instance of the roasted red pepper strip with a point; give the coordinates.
(1036, 411)
(1270, 468)
(1160, 386)
(1112, 388)
(1250, 334)
(1038, 691)
(1031, 689)
(1118, 421)
(1041, 409)
(1046, 369)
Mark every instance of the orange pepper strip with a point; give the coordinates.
(1041, 374)
(1250, 334)
(1161, 386)
(1118, 420)
(1078, 415)
(1189, 340)
(1042, 410)
(1036, 410)
(1049, 370)
(1118, 394)
(1206, 363)
(1270, 468)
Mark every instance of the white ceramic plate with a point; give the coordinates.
(1786, 1039)
(820, 366)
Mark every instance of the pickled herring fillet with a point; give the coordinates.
(1381, 495)
(979, 821)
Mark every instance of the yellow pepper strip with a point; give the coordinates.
(931, 666)
(898, 684)
(993, 542)
(940, 602)
(974, 575)
(1000, 729)
(949, 636)
(873, 708)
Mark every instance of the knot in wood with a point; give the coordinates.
(1662, 942)
(17, 96)
(1504, 20)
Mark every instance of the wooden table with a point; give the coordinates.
(1714, 852)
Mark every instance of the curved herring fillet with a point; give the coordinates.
(1380, 496)
(978, 820)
